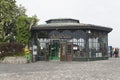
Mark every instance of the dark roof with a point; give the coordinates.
(62, 20)
(69, 25)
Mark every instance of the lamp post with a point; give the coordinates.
(87, 49)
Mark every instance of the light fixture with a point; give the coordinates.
(89, 31)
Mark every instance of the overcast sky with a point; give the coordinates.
(98, 12)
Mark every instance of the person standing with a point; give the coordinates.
(116, 52)
(27, 55)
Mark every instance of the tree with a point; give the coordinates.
(14, 23)
(14, 27)
(23, 25)
(8, 15)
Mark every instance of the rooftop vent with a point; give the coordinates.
(62, 21)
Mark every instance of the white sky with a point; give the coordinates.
(98, 12)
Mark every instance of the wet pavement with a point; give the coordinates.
(57, 70)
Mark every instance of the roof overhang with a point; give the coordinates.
(61, 26)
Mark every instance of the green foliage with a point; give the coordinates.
(14, 27)
(23, 33)
(14, 23)
(8, 15)
(23, 24)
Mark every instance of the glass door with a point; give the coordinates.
(54, 50)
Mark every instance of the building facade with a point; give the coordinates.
(69, 40)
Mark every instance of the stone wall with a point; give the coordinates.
(14, 60)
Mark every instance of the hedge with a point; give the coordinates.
(11, 49)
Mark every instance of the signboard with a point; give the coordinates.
(34, 50)
(98, 54)
(75, 48)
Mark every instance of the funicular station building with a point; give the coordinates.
(69, 40)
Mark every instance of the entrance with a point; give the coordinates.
(54, 50)
(61, 51)
(66, 49)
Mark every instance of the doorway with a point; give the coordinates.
(54, 50)
(61, 51)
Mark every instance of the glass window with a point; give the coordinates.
(78, 47)
(81, 43)
(42, 46)
(93, 44)
(42, 42)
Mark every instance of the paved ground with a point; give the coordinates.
(55, 70)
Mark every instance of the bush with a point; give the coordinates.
(11, 49)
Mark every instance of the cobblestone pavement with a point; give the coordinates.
(56, 70)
